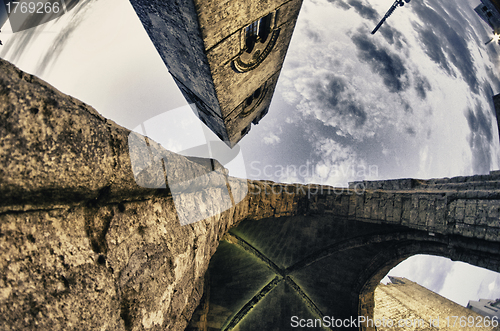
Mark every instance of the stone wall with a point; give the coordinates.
(410, 306)
(82, 245)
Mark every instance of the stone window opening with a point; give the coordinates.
(253, 101)
(257, 41)
(257, 32)
(245, 130)
(255, 96)
(257, 119)
(249, 100)
(250, 106)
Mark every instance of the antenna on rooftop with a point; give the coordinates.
(389, 13)
(496, 37)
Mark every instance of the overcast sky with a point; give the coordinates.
(413, 100)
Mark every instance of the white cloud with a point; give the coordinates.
(99, 53)
(329, 81)
(338, 165)
(271, 139)
(289, 175)
(457, 281)
(426, 270)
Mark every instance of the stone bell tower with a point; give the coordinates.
(225, 56)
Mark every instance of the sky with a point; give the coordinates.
(455, 280)
(413, 100)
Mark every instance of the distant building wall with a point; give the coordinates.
(413, 307)
(489, 11)
(486, 307)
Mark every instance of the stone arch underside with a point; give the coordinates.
(269, 270)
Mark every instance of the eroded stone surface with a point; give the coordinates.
(405, 305)
(82, 246)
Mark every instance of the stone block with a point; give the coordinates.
(451, 207)
(493, 209)
(471, 193)
(414, 210)
(405, 210)
(464, 230)
(329, 202)
(483, 194)
(313, 204)
(471, 220)
(286, 206)
(430, 219)
(423, 209)
(377, 209)
(337, 204)
(482, 213)
(360, 204)
(389, 207)
(480, 232)
(368, 205)
(440, 212)
(471, 208)
(492, 234)
(493, 222)
(397, 210)
(459, 214)
(344, 209)
(352, 205)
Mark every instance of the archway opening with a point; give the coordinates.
(458, 281)
(433, 291)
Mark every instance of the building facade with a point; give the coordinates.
(406, 305)
(489, 11)
(486, 307)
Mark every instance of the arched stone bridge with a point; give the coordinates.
(323, 254)
(83, 247)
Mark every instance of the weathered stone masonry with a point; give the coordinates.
(83, 247)
(379, 227)
(413, 307)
